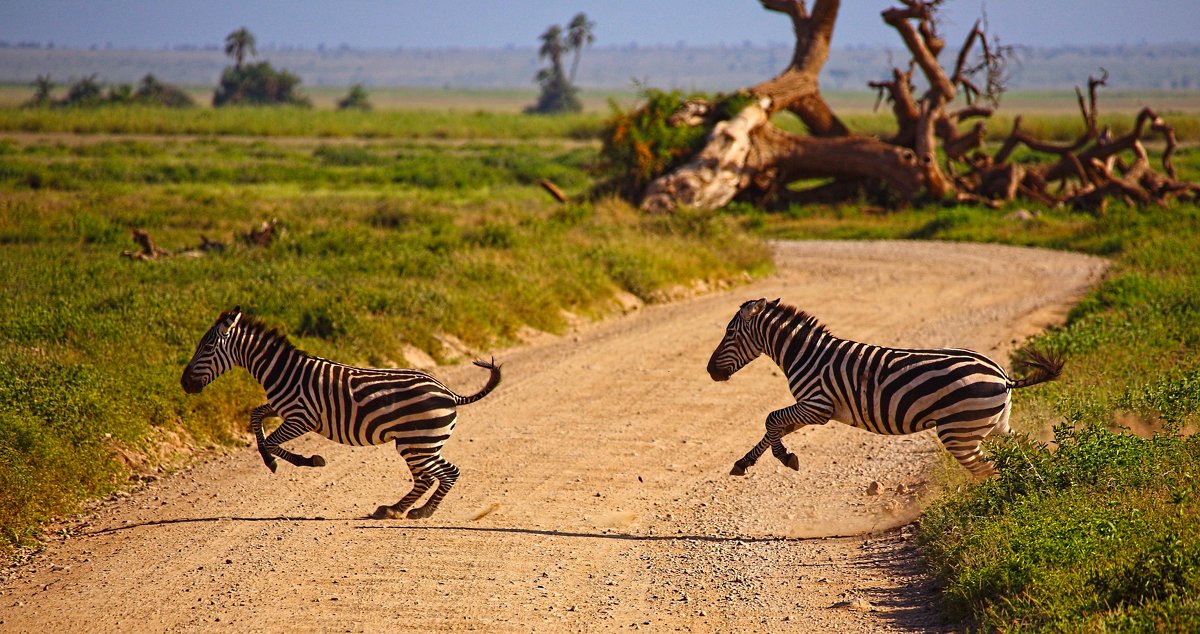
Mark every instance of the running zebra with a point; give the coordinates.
(346, 404)
(962, 393)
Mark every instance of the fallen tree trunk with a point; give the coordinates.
(930, 155)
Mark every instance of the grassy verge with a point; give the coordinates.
(385, 244)
(301, 122)
(1094, 529)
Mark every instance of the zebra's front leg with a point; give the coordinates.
(748, 460)
(289, 430)
(257, 415)
(780, 423)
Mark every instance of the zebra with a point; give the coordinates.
(346, 404)
(961, 393)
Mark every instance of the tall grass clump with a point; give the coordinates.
(1095, 532)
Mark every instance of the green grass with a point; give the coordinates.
(1097, 535)
(300, 122)
(1094, 529)
(386, 243)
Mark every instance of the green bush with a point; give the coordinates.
(640, 145)
(1096, 535)
(258, 84)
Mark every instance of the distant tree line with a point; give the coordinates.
(260, 83)
(241, 84)
(88, 92)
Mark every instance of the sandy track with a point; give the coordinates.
(594, 493)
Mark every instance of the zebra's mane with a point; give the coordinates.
(794, 316)
(263, 331)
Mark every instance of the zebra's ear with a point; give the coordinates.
(237, 316)
(753, 308)
(776, 301)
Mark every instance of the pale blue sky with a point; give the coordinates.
(497, 23)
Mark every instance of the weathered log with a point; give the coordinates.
(717, 173)
(929, 155)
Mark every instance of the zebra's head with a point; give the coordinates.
(213, 356)
(741, 344)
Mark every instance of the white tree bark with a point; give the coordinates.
(716, 174)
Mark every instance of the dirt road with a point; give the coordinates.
(594, 493)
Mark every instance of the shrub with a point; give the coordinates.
(258, 84)
(356, 99)
(641, 145)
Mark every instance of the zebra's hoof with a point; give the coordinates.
(792, 461)
(272, 465)
(384, 513)
(420, 513)
(316, 461)
(737, 470)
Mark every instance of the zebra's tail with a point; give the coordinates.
(1037, 366)
(493, 381)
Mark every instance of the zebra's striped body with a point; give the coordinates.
(346, 404)
(963, 394)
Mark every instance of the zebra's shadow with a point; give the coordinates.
(359, 523)
(224, 518)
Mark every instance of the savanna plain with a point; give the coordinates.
(594, 494)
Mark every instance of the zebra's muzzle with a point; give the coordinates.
(190, 385)
(716, 373)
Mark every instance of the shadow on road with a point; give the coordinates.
(409, 526)
(196, 520)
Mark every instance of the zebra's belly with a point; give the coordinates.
(426, 429)
(344, 435)
(857, 417)
(852, 417)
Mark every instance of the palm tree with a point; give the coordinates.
(238, 44)
(579, 35)
(558, 95)
(552, 47)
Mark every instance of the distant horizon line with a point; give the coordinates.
(187, 47)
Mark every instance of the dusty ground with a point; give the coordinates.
(594, 494)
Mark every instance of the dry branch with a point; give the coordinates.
(553, 190)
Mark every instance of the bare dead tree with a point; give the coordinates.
(930, 154)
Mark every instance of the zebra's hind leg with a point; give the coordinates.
(964, 445)
(446, 474)
(422, 482)
(256, 420)
(289, 430)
